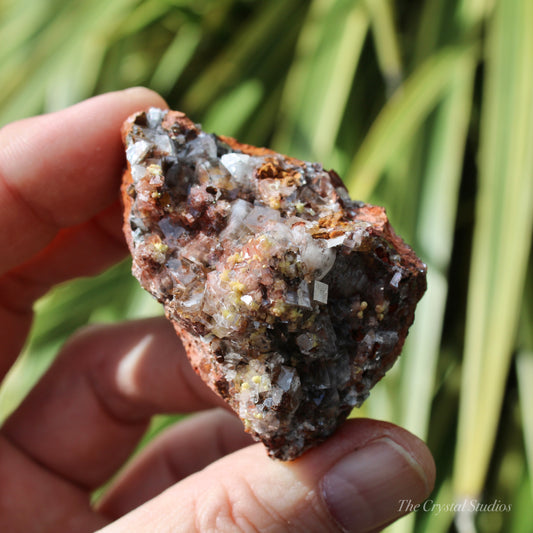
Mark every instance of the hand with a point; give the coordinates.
(60, 218)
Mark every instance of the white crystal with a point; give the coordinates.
(232, 359)
(164, 144)
(304, 299)
(137, 235)
(277, 395)
(318, 258)
(136, 152)
(203, 147)
(320, 292)
(236, 227)
(193, 303)
(285, 378)
(280, 235)
(355, 237)
(258, 217)
(179, 272)
(240, 166)
(291, 298)
(154, 116)
(247, 299)
(336, 241)
(137, 173)
(369, 339)
(352, 398)
(396, 279)
(314, 254)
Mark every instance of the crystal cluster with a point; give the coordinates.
(292, 300)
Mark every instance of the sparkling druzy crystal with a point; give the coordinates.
(291, 299)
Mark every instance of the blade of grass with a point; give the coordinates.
(438, 202)
(338, 78)
(19, 24)
(400, 118)
(65, 65)
(303, 63)
(175, 58)
(228, 66)
(472, 12)
(23, 375)
(79, 63)
(228, 114)
(386, 42)
(320, 79)
(439, 522)
(23, 74)
(502, 234)
(76, 75)
(524, 371)
(419, 362)
(144, 14)
(429, 29)
(435, 228)
(522, 512)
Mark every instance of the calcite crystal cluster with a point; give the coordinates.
(292, 300)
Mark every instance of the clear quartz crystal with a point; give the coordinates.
(259, 216)
(136, 152)
(241, 166)
(320, 292)
(304, 299)
(285, 377)
(154, 116)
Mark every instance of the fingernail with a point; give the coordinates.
(366, 488)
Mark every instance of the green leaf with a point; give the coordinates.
(386, 42)
(435, 229)
(228, 114)
(228, 66)
(175, 58)
(400, 119)
(502, 236)
(320, 78)
(524, 371)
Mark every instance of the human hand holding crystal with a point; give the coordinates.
(60, 218)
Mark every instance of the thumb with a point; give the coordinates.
(356, 481)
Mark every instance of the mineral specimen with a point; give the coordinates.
(292, 300)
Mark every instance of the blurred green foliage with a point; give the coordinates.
(424, 107)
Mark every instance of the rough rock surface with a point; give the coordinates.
(292, 300)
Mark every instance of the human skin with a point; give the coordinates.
(60, 218)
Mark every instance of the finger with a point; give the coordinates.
(60, 169)
(86, 415)
(32, 499)
(354, 482)
(70, 254)
(183, 449)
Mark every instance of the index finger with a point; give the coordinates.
(60, 169)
